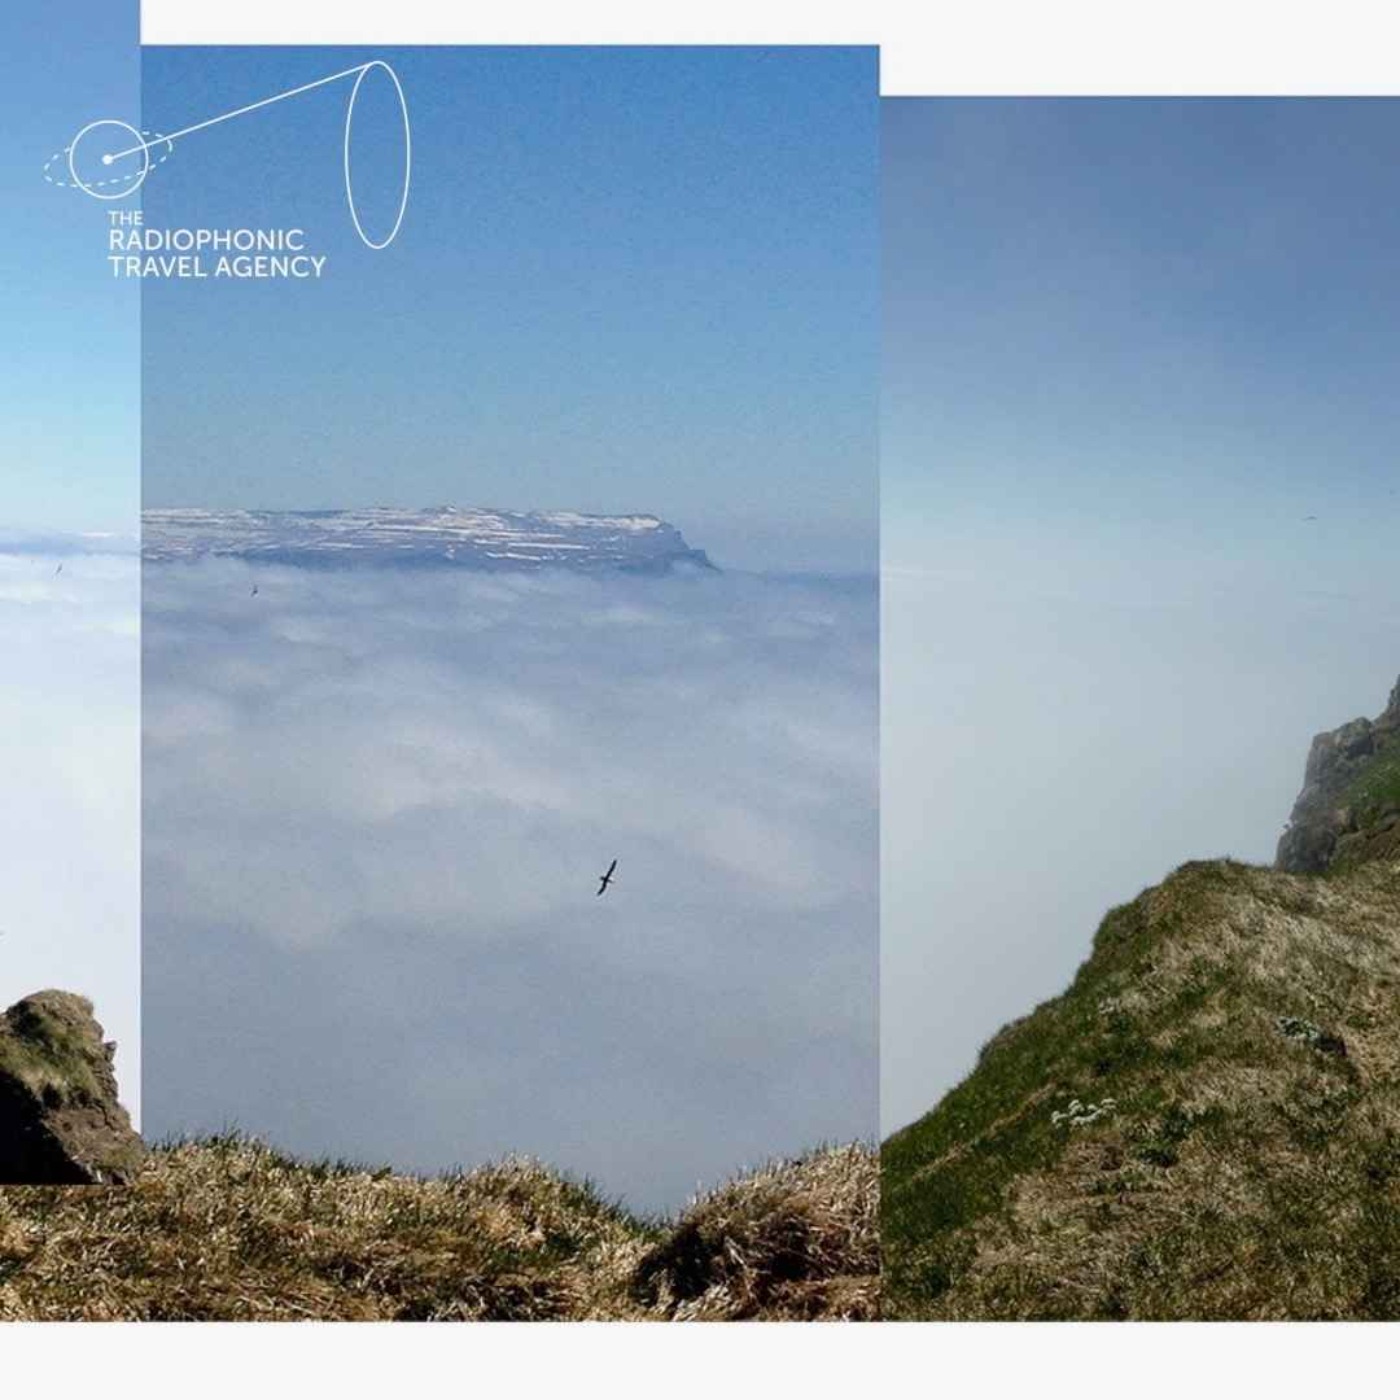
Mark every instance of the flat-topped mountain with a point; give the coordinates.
(446, 536)
(1206, 1124)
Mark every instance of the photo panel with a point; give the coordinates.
(510, 637)
(70, 939)
(1140, 927)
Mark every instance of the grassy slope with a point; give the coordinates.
(1377, 790)
(229, 1229)
(1245, 1166)
(52, 1055)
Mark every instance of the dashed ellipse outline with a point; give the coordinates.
(156, 139)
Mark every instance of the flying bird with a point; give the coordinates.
(605, 880)
(254, 593)
(58, 571)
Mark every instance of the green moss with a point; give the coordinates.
(51, 1057)
(1377, 791)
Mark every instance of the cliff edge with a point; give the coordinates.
(1206, 1124)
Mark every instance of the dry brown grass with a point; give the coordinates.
(230, 1229)
(794, 1240)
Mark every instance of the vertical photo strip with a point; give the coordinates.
(70, 721)
(1138, 1033)
(510, 636)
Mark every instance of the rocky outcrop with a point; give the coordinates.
(1349, 809)
(61, 1123)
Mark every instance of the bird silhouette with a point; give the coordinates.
(254, 593)
(58, 571)
(606, 879)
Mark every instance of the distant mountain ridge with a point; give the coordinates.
(59, 543)
(443, 536)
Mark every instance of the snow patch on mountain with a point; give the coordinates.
(442, 536)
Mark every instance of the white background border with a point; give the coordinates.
(1001, 47)
(700, 1361)
(976, 46)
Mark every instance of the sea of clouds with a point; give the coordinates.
(376, 805)
(70, 746)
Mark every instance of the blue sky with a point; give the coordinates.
(627, 280)
(1130, 346)
(1140, 332)
(69, 399)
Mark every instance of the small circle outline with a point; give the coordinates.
(145, 159)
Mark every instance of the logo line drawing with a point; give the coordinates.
(125, 182)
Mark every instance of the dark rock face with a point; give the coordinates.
(1349, 808)
(60, 1120)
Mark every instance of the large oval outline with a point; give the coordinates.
(407, 156)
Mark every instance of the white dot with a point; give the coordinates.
(106, 160)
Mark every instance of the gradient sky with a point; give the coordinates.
(627, 280)
(70, 437)
(1130, 345)
(69, 398)
(1146, 334)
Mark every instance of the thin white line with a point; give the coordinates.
(251, 107)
